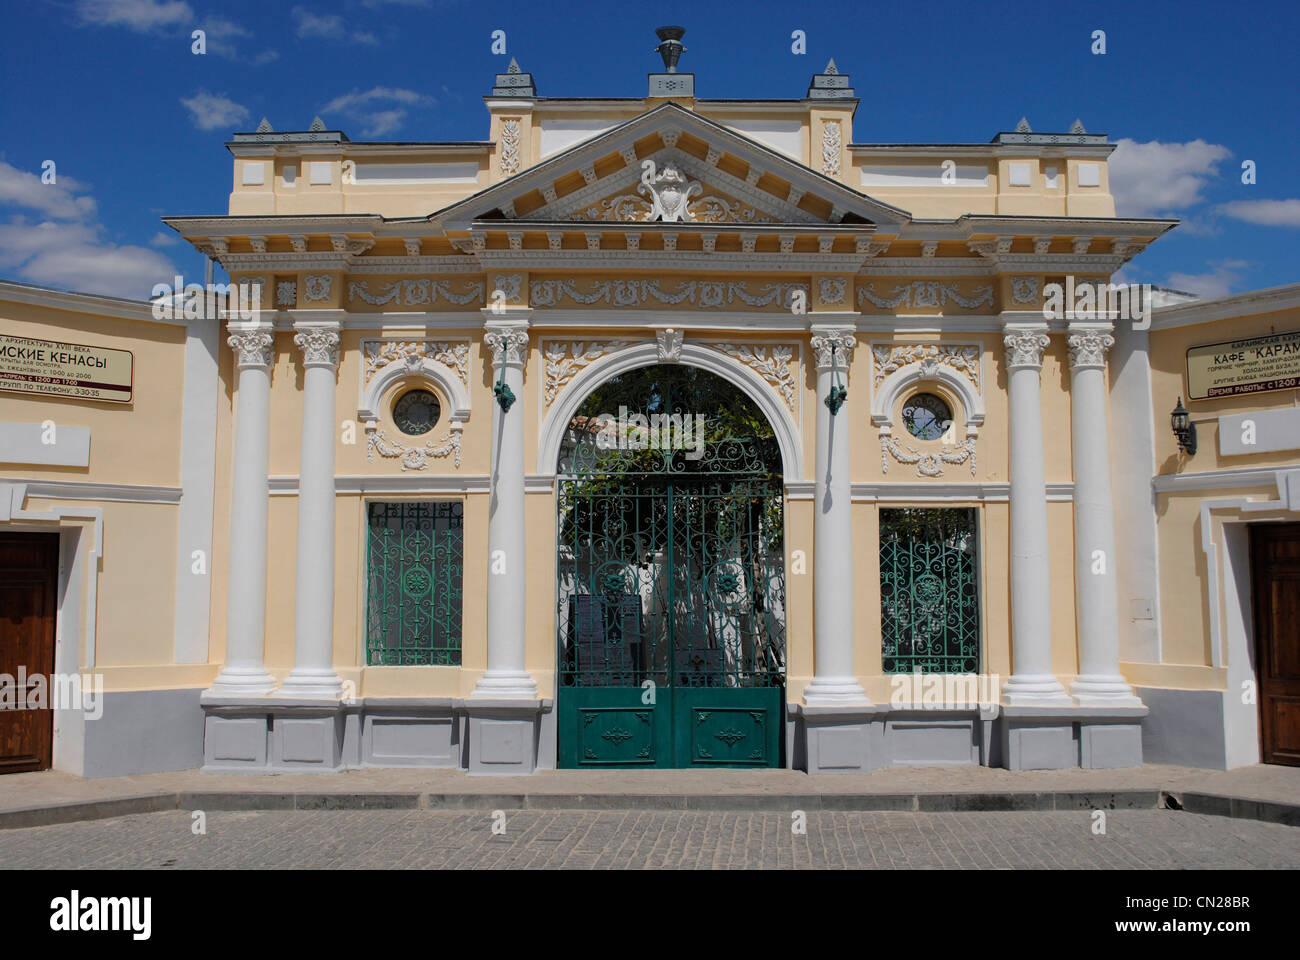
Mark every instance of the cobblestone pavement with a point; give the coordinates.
(654, 839)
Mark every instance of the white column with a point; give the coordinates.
(1032, 681)
(313, 672)
(244, 673)
(834, 681)
(1095, 595)
(506, 676)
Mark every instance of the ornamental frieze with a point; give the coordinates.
(886, 358)
(925, 293)
(565, 359)
(411, 458)
(775, 363)
(411, 293)
(705, 294)
(379, 354)
(927, 464)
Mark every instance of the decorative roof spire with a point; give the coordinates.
(265, 126)
(1023, 126)
(1077, 126)
(830, 84)
(514, 66)
(831, 69)
(317, 125)
(514, 82)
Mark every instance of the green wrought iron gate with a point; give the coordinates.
(671, 585)
(929, 591)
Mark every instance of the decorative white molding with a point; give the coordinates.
(831, 145)
(834, 346)
(832, 289)
(412, 458)
(925, 293)
(1088, 349)
(670, 345)
(558, 416)
(1024, 289)
(443, 363)
(286, 294)
(1025, 348)
(415, 292)
(319, 346)
(318, 287)
(509, 147)
(771, 362)
(253, 348)
(564, 359)
(412, 247)
(927, 464)
(706, 294)
(888, 358)
(507, 343)
(929, 248)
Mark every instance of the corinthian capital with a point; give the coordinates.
(508, 344)
(252, 347)
(837, 340)
(1088, 349)
(319, 346)
(1025, 348)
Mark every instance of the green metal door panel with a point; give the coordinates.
(610, 726)
(727, 728)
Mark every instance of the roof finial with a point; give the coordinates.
(514, 66)
(831, 69)
(317, 125)
(1023, 126)
(265, 126)
(670, 46)
(1077, 126)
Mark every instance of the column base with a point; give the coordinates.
(835, 691)
(312, 683)
(505, 685)
(838, 739)
(502, 736)
(1035, 690)
(1104, 691)
(241, 682)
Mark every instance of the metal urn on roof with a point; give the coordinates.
(670, 46)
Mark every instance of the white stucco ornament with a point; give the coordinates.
(669, 193)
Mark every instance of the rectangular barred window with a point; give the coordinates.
(929, 591)
(415, 568)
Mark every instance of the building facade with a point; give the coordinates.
(660, 432)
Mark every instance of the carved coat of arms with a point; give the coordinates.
(669, 193)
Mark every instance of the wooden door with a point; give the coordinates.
(1275, 578)
(29, 568)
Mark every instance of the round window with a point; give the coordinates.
(926, 416)
(416, 411)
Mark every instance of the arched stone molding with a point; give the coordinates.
(647, 353)
(440, 376)
(946, 369)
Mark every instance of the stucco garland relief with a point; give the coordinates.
(414, 292)
(925, 293)
(963, 358)
(630, 293)
(772, 362)
(565, 359)
(509, 147)
(831, 148)
(412, 458)
(380, 353)
(927, 464)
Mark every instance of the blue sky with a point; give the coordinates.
(135, 123)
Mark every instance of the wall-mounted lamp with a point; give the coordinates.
(837, 395)
(1184, 429)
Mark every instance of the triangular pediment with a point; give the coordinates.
(619, 176)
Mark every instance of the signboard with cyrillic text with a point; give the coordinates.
(1244, 366)
(65, 369)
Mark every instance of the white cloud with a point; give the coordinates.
(358, 105)
(164, 238)
(139, 15)
(328, 26)
(65, 247)
(1151, 179)
(1266, 213)
(60, 199)
(1219, 281)
(211, 111)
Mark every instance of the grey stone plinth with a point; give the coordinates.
(846, 739)
(502, 737)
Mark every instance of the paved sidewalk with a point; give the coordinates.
(1270, 793)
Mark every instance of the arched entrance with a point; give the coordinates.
(670, 576)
